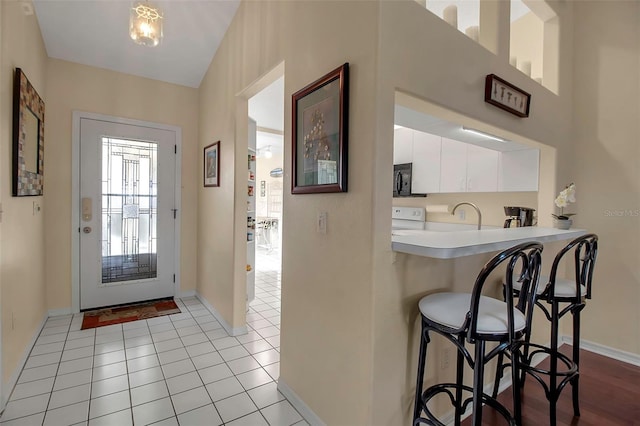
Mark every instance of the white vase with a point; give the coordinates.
(562, 223)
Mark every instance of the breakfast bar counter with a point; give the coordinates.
(454, 244)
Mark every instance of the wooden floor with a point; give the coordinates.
(609, 396)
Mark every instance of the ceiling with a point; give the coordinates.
(267, 106)
(96, 33)
(267, 109)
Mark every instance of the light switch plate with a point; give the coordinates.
(322, 222)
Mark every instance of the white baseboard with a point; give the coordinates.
(185, 294)
(13, 380)
(59, 312)
(617, 354)
(237, 331)
(306, 412)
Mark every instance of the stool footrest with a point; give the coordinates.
(569, 372)
(450, 389)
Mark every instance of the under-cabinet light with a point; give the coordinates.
(483, 134)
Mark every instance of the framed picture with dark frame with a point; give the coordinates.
(506, 96)
(28, 138)
(320, 117)
(212, 164)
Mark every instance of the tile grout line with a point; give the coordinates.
(57, 369)
(199, 326)
(175, 414)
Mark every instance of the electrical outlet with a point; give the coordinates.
(462, 215)
(445, 359)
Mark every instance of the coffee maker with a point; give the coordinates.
(520, 216)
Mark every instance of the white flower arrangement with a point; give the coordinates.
(566, 196)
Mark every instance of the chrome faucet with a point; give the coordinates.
(453, 211)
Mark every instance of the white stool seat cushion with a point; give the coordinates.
(564, 288)
(450, 310)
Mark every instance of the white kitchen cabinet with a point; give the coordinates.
(426, 163)
(403, 146)
(453, 166)
(519, 170)
(468, 168)
(482, 169)
(442, 165)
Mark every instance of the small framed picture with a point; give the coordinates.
(506, 96)
(212, 164)
(320, 116)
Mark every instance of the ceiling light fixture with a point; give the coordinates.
(145, 24)
(483, 134)
(267, 152)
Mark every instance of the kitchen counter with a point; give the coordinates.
(453, 244)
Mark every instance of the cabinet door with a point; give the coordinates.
(403, 146)
(482, 169)
(519, 170)
(426, 163)
(453, 166)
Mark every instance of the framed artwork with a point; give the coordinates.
(506, 96)
(212, 164)
(320, 117)
(28, 138)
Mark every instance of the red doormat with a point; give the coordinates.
(121, 314)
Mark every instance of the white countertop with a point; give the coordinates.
(449, 245)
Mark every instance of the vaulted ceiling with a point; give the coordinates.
(96, 33)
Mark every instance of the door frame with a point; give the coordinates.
(75, 196)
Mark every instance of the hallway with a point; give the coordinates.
(181, 369)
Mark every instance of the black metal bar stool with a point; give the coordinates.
(479, 319)
(556, 292)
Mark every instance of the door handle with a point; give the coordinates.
(86, 229)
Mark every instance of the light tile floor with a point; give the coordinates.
(181, 369)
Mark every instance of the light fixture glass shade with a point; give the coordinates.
(145, 24)
(267, 152)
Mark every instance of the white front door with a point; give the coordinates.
(127, 213)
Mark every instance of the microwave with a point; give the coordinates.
(402, 180)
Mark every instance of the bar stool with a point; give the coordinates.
(559, 291)
(479, 319)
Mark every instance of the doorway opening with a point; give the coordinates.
(266, 108)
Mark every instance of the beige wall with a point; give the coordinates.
(360, 310)
(607, 158)
(449, 77)
(72, 87)
(22, 265)
(326, 279)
